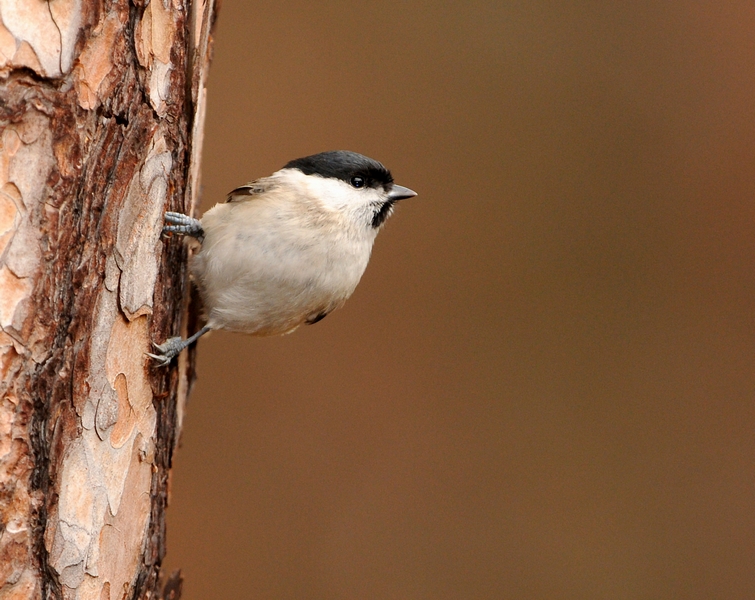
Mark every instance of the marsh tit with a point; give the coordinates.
(288, 249)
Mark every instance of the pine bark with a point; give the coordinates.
(101, 117)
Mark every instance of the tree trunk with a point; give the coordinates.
(101, 116)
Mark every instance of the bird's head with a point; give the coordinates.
(358, 187)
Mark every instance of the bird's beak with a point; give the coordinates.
(399, 192)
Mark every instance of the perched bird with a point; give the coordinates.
(286, 249)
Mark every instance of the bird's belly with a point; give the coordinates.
(271, 306)
(265, 287)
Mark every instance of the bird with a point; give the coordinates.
(288, 249)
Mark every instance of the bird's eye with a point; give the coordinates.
(357, 182)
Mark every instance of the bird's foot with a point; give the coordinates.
(183, 224)
(172, 347)
(168, 350)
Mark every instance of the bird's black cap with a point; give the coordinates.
(344, 165)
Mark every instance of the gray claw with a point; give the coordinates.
(168, 350)
(162, 361)
(172, 347)
(183, 224)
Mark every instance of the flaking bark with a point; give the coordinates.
(101, 117)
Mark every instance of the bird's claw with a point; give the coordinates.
(183, 224)
(168, 350)
(172, 347)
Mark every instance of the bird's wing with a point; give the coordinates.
(251, 190)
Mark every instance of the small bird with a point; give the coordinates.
(287, 249)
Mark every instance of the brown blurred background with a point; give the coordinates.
(543, 387)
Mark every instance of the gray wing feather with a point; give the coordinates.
(248, 191)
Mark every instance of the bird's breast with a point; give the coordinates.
(264, 271)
